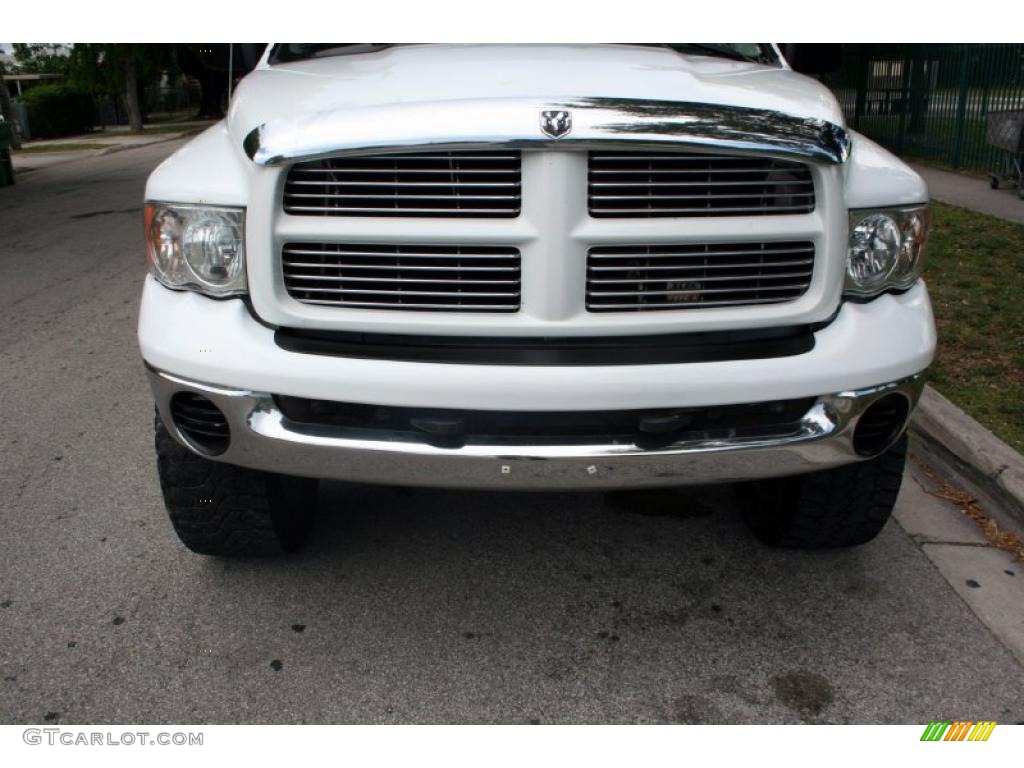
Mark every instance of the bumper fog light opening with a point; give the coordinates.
(200, 423)
(880, 424)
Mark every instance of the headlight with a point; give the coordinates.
(886, 249)
(201, 247)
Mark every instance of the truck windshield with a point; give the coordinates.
(283, 53)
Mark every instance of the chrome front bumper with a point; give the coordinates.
(262, 438)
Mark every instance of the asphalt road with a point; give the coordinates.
(422, 606)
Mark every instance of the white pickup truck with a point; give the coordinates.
(532, 267)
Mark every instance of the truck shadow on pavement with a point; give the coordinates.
(653, 606)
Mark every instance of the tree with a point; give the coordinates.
(131, 98)
(6, 110)
(38, 58)
(120, 69)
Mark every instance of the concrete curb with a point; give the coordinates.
(980, 455)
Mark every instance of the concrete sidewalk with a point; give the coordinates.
(972, 192)
(47, 152)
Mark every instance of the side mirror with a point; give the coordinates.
(814, 58)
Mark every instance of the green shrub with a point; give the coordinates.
(58, 110)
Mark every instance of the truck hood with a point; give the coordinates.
(547, 73)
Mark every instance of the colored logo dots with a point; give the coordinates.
(958, 730)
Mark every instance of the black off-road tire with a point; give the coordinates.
(229, 511)
(840, 507)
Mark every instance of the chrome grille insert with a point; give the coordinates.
(695, 276)
(654, 184)
(467, 184)
(403, 277)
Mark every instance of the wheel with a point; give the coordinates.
(993, 181)
(221, 509)
(840, 507)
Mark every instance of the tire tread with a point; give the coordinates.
(240, 518)
(842, 507)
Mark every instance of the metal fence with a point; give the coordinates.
(931, 101)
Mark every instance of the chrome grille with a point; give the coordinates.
(468, 184)
(695, 276)
(404, 277)
(654, 184)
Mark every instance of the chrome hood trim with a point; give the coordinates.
(596, 123)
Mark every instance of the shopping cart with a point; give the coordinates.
(1005, 131)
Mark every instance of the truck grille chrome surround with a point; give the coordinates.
(403, 277)
(470, 184)
(647, 184)
(695, 276)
